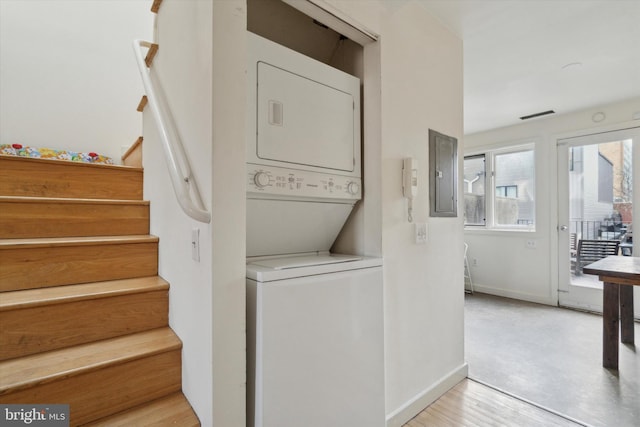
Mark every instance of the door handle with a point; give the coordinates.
(563, 228)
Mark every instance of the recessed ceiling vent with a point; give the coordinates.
(531, 116)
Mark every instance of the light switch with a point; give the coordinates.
(421, 233)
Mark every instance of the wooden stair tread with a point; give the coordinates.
(48, 242)
(13, 300)
(171, 410)
(25, 372)
(60, 200)
(66, 163)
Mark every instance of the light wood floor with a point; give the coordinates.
(475, 405)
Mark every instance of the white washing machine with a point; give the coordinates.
(315, 342)
(314, 319)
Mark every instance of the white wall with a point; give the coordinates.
(229, 207)
(204, 80)
(68, 76)
(184, 67)
(420, 87)
(413, 82)
(504, 265)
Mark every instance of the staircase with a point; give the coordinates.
(83, 313)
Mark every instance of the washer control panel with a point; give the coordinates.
(292, 182)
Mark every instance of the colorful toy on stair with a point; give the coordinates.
(49, 153)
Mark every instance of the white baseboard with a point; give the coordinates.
(425, 398)
(540, 299)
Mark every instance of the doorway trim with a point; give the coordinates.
(334, 19)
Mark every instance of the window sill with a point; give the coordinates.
(497, 231)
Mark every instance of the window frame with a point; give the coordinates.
(490, 187)
(482, 156)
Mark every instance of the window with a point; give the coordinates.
(474, 182)
(510, 191)
(510, 174)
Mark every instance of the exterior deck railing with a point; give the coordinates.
(603, 229)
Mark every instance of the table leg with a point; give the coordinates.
(626, 314)
(610, 325)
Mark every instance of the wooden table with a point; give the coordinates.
(619, 274)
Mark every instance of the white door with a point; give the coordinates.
(595, 201)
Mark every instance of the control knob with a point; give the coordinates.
(353, 188)
(261, 179)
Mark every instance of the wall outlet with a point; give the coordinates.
(474, 262)
(195, 244)
(421, 233)
(531, 244)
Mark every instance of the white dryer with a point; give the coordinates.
(303, 151)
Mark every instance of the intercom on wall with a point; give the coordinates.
(410, 183)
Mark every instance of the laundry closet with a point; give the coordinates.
(315, 347)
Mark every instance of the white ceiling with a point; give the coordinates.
(516, 55)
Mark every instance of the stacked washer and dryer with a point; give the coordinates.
(315, 348)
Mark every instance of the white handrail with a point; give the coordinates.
(184, 183)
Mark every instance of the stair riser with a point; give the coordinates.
(106, 391)
(51, 178)
(23, 220)
(35, 330)
(29, 268)
(133, 156)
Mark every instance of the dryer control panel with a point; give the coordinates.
(275, 181)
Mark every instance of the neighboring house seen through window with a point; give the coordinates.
(510, 191)
(510, 174)
(605, 179)
(474, 197)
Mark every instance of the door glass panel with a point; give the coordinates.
(600, 204)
